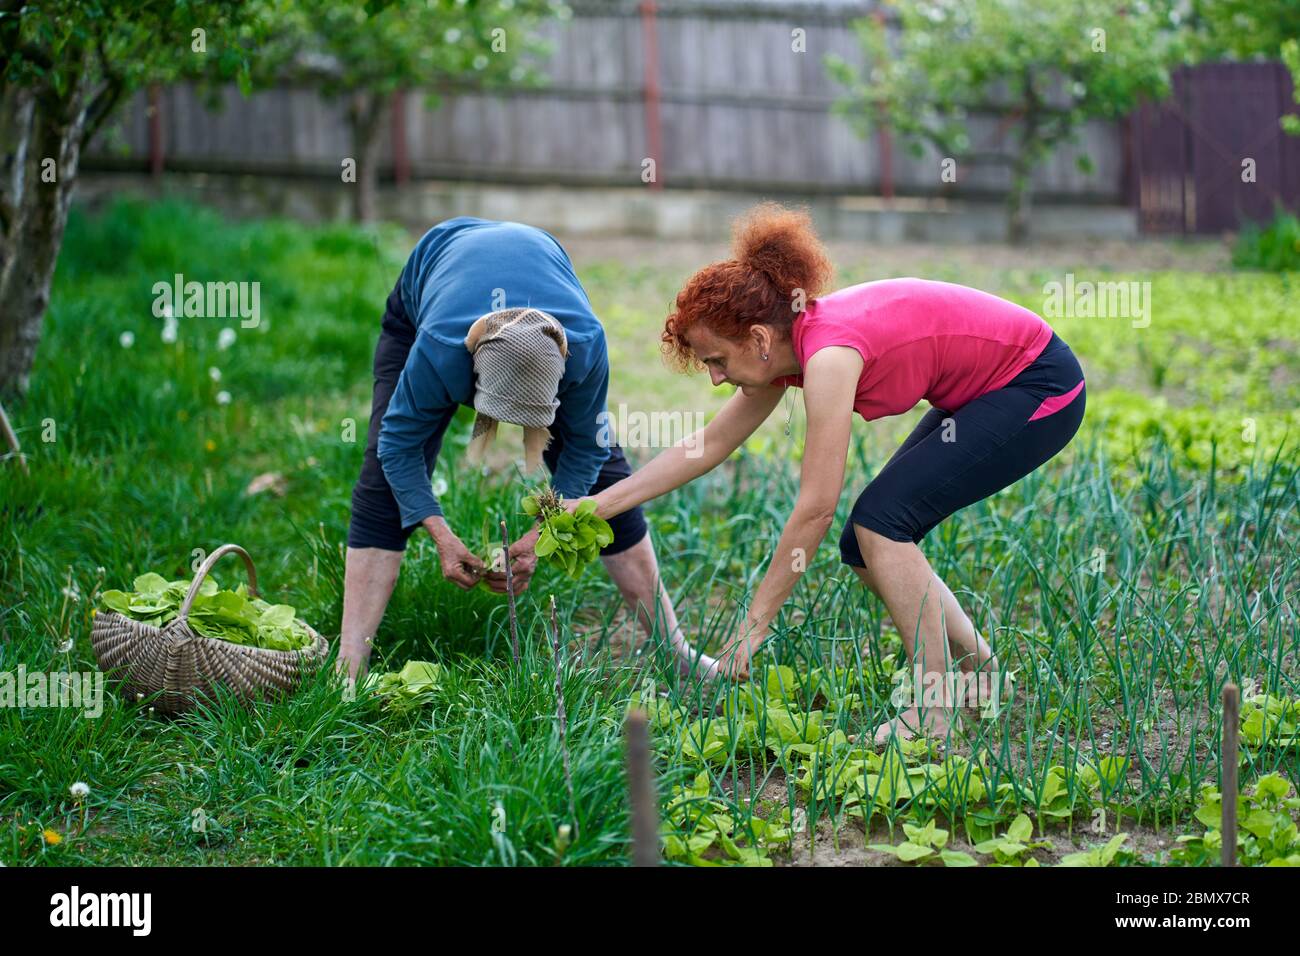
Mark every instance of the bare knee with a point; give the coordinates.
(635, 571)
(875, 547)
(369, 577)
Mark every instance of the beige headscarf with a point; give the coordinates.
(519, 357)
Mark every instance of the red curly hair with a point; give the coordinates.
(776, 254)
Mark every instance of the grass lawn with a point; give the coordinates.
(1124, 583)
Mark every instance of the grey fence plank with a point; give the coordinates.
(740, 109)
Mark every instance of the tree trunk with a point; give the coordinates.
(1018, 202)
(364, 114)
(35, 125)
(1027, 157)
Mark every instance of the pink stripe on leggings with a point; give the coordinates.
(1056, 403)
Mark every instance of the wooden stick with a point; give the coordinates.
(642, 800)
(1231, 725)
(559, 712)
(12, 438)
(510, 591)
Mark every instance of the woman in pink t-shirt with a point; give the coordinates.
(1006, 394)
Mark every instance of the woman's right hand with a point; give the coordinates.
(571, 504)
(690, 661)
(461, 566)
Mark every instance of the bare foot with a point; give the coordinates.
(910, 722)
(984, 681)
(972, 656)
(987, 686)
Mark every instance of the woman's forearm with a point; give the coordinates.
(800, 539)
(671, 468)
(695, 455)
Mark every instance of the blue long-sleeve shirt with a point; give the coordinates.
(461, 269)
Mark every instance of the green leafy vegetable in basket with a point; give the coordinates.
(412, 686)
(223, 615)
(568, 540)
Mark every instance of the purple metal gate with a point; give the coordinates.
(1189, 170)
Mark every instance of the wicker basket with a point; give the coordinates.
(183, 665)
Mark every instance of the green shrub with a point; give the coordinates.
(1275, 248)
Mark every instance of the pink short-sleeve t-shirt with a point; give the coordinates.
(921, 339)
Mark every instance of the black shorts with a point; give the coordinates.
(951, 460)
(376, 521)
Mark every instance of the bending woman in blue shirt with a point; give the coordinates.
(509, 292)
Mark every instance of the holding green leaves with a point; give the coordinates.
(568, 540)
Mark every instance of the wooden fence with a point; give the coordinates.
(1214, 154)
(736, 108)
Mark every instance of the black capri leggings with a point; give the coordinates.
(951, 460)
(376, 521)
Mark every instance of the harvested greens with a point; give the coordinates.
(492, 554)
(412, 686)
(568, 540)
(222, 615)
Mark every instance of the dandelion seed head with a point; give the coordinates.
(80, 790)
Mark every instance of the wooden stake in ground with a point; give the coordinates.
(12, 438)
(643, 802)
(559, 712)
(1231, 725)
(510, 591)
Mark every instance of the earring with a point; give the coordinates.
(764, 356)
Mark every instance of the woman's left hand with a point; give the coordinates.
(735, 656)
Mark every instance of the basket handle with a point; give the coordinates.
(206, 566)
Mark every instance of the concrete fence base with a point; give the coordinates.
(663, 214)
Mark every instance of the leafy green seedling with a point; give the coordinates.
(924, 844)
(1269, 720)
(1009, 848)
(1098, 855)
(696, 823)
(1267, 834)
(569, 541)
